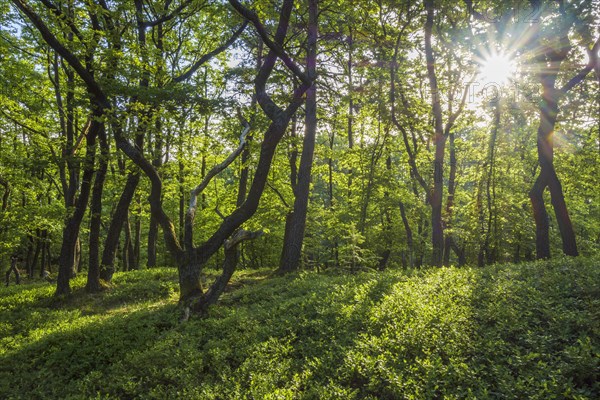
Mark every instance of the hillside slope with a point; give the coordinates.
(506, 331)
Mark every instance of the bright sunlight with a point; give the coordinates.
(497, 68)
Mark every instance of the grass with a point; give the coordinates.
(506, 331)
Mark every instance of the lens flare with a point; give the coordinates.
(497, 68)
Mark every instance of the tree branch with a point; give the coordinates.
(275, 47)
(165, 18)
(4, 182)
(278, 193)
(73, 61)
(61, 15)
(456, 114)
(193, 204)
(592, 63)
(210, 55)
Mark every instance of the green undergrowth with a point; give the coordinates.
(528, 331)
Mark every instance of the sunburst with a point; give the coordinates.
(497, 68)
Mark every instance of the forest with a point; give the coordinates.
(189, 165)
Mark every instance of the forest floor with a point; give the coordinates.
(528, 331)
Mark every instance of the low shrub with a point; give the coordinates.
(505, 331)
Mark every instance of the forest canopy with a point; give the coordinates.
(291, 134)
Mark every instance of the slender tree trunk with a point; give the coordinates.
(180, 181)
(483, 250)
(43, 260)
(73, 222)
(116, 225)
(387, 220)
(131, 260)
(437, 229)
(45, 254)
(409, 235)
(490, 192)
(125, 249)
(13, 268)
(292, 247)
(77, 258)
(36, 255)
(93, 277)
(49, 258)
(30, 250)
(450, 200)
(152, 237)
(136, 245)
(350, 122)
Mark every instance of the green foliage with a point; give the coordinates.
(505, 331)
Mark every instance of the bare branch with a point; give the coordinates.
(210, 55)
(251, 16)
(592, 63)
(169, 16)
(456, 114)
(193, 204)
(278, 193)
(241, 236)
(220, 167)
(61, 15)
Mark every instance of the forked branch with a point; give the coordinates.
(193, 205)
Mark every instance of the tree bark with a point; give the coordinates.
(45, 254)
(153, 228)
(292, 246)
(93, 277)
(73, 222)
(200, 304)
(450, 200)
(13, 268)
(551, 58)
(437, 229)
(409, 235)
(116, 226)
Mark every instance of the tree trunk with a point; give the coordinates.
(13, 268)
(437, 229)
(77, 258)
(561, 212)
(490, 191)
(67, 262)
(154, 223)
(93, 276)
(38, 246)
(49, 258)
(45, 254)
(136, 245)
(450, 200)
(551, 60)
(292, 246)
(409, 235)
(116, 226)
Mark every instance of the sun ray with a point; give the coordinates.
(497, 68)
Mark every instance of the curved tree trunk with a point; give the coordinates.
(548, 178)
(116, 225)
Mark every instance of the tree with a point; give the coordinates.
(294, 233)
(550, 49)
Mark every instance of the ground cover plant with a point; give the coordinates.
(504, 331)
